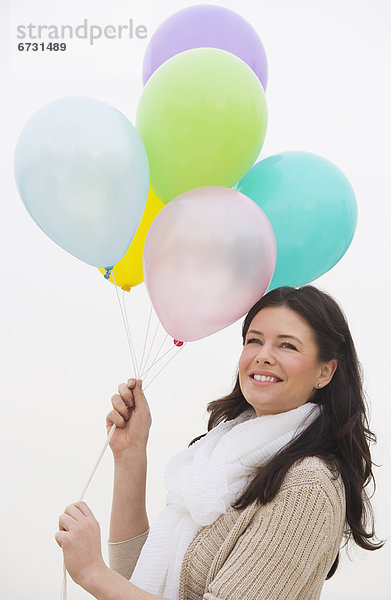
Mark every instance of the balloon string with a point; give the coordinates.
(156, 360)
(145, 340)
(132, 352)
(64, 590)
(128, 330)
(163, 367)
(151, 343)
(107, 442)
(150, 348)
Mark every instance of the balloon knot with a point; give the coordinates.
(108, 272)
(178, 343)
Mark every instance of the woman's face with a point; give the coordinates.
(280, 344)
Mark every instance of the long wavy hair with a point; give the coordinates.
(340, 435)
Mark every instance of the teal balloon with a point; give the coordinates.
(82, 172)
(312, 209)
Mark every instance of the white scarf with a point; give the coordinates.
(203, 481)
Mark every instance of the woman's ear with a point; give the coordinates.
(326, 373)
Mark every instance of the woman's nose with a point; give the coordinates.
(264, 355)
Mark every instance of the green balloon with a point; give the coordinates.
(202, 117)
(312, 209)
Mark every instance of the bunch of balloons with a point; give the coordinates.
(177, 200)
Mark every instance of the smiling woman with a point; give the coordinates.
(295, 429)
(300, 338)
(281, 371)
(259, 505)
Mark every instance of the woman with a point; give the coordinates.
(257, 507)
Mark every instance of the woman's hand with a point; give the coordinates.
(132, 418)
(79, 538)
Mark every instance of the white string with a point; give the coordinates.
(163, 367)
(153, 341)
(161, 346)
(146, 337)
(135, 367)
(128, 332)
(64, 590)
(157, 360)
(107, 442)
(154, 358)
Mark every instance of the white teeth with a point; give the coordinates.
(264, 378)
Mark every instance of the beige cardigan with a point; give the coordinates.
(280, 551)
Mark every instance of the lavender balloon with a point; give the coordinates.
(206, 26)
(208, 257)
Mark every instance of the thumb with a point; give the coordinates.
(138, 392)
(138, 389)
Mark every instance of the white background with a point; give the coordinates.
(63, 346)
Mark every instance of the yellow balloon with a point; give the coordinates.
(128, 272)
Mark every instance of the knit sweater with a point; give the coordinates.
(279, 551)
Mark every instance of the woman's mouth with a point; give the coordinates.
(262, 379)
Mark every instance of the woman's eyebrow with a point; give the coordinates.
(282, 335)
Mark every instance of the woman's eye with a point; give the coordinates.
(289, 345)
(258, 341)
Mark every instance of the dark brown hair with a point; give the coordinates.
(340, 435)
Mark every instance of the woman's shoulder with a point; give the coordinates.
(310, 487)
(315, 472)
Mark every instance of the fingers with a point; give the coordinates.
(84, 508)
(130, 396)
(120, 405)
(131, 383)
(72, 511)
(78, 509)
(123, 404)
(115, 418)
(73, 514)
(125, 393)
(65, 522)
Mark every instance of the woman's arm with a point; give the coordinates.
(79, 538)
(128, 512)
(108, 585)
(132, 418)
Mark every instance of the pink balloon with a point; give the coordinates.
(209, 255)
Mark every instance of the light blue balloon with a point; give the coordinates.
(312, 209)
(82, 172)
